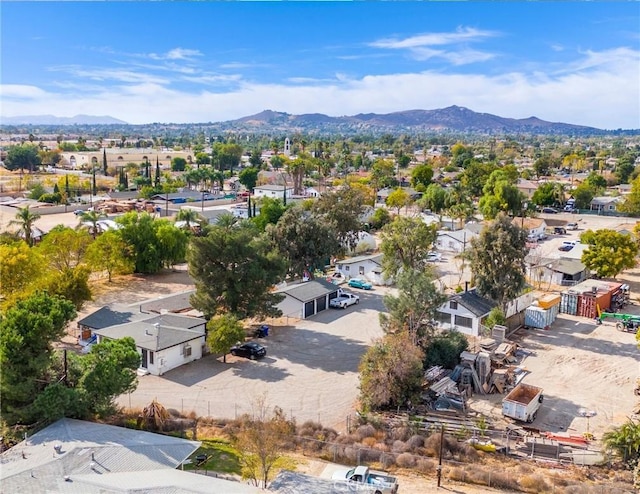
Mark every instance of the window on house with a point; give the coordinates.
(186, 351)
(444, 317)
(464, 322)
(453, 305)
(346, 268)
(360, 269)
(151, 357)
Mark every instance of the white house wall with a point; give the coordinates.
(170, 358)
(291, 307)
(354, 270)
(464, 312)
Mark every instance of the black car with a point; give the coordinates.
(549, 210)
(250, 350)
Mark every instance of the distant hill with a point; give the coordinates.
(452, 118)
(53, 120)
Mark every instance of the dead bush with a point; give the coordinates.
(366, 430)
(351, 453)
(381, 446)
(425, 466)
(387, 460)
(369, 442)
(401, 433)
(370, 455)
(524, 469)
(502, 480)
(534, 483)
(478, 476)
(415, 442)
(399, 447)
(456, 473)
(347, 439)
(406, 460)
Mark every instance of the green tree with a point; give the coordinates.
(224, 331)
(422, 175)
(270, 212)
(255, 160)
(500, 195)
(545, 194)
(20, 267)
(342, 210)
(27, 332)
(475, 176)
(110, 253)
(383, 174)
(303, 241)
(434, 198)
(70, 283)
(25, 221)
(624, 441)
(234, 269)
(172, 242)
(22, 157)
(37, 191)
(91, 220)
(596, 181)
(109, 371)
(249, 178)
(496, 316)
(583, 194)
(178, 164)
(398, 199)
(542, 166)
(406, 242)
(496, 259)
(380, 218)
(190, 217)
(391, 372)
(609, 252)
(445, 350)
(64, 248)
(414, 308)
(631, 203)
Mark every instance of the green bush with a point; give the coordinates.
(445, 350)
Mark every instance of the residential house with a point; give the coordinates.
(273, 191)
(382, 194)
(164, 342)
(564, 271)
(533, 226)
(74, 456)
(527, 187)
(604, 204)
(455, 241)
(305, 299)
(368, 267)
(465, 312)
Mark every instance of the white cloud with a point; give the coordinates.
(462, 34)
(599, 89)
(177, 54)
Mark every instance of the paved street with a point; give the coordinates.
(310, 370)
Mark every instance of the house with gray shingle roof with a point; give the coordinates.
(465, 312)
(164, 341)
(78, 457)
(307, 298)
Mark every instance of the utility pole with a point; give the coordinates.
(439, 470)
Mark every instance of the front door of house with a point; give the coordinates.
(143, 363)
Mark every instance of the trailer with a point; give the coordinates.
(523, 402)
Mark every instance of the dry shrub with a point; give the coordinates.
(369, 455)
(387, 460)
(173, 412)
(381, 446)
(351, 453)
(309, 429)
(401, 433)
(399, 447)
(365, 431)
(456, 473)
(406, 460)
(558, 481)
(369, 442)
(415, 442)
(524, 469)
(425, 466)
(534, 483)
(347, 439)
(478, 476)
(503, 480)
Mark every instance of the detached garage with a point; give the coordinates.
(307, 298)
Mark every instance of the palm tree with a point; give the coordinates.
(25, 219)
(90, 219)
(189, 216)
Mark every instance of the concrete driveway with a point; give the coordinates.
(310, 371)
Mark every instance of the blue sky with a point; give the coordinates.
(573, 62)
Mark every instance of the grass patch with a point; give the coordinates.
(221, 457)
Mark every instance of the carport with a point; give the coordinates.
(307, 298)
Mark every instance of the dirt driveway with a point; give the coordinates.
(310, 371)
(580, 365)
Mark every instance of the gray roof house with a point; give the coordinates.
(78, 457)
(307, 298)
(164, 341)
(563, 271)
(465, 312)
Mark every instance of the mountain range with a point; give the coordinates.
(53, 120)
(450, 119)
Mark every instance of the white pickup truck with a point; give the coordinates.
(344, 300)
(377, 482)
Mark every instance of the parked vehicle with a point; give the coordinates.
(565, 248)
(359, 283)
(542, 236)
(382, 482)
(549, 210)
(523, 402)
(250, 350)
(78, 212)
(344, 300)
(572, 226)
(434, 257)
(558, 230)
